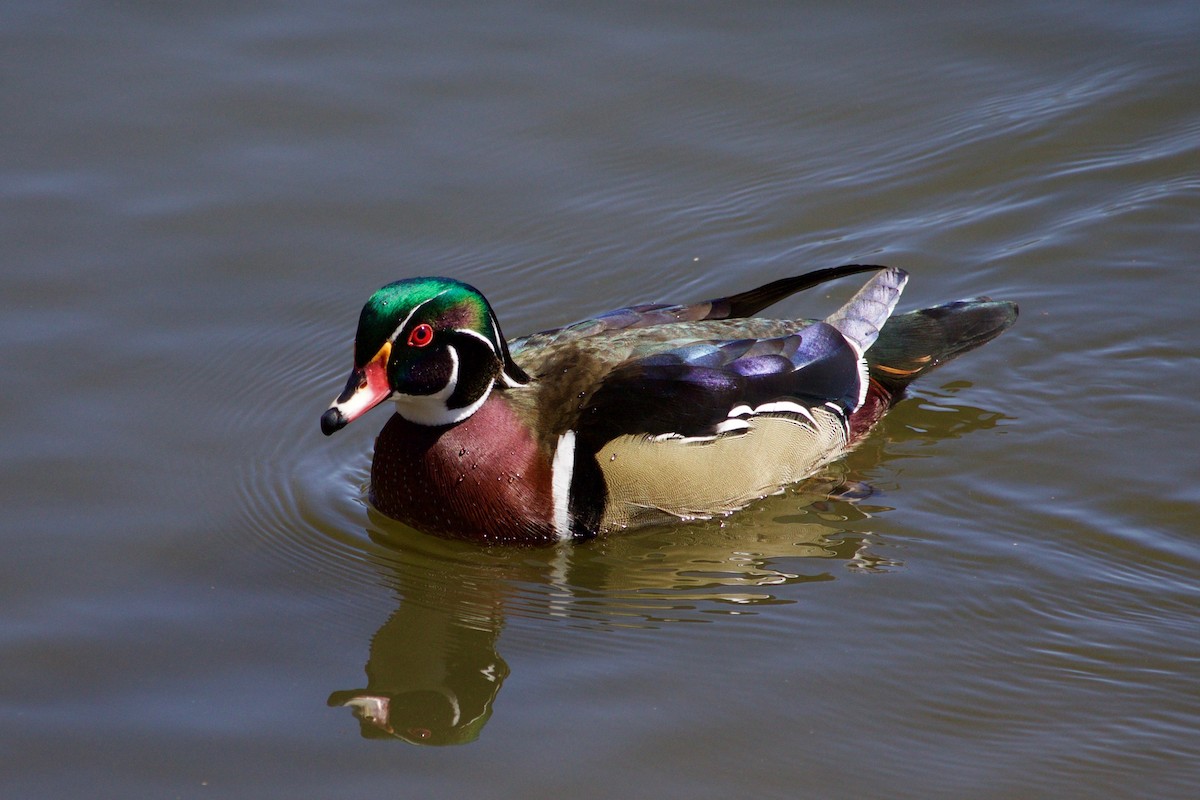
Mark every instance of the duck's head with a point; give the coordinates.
(430, 344)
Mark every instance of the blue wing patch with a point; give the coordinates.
(689, 391)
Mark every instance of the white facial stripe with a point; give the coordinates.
(416, 308)
(495, 329)
(561, 472)
(480, 337)
(431, 409)
(509, 381)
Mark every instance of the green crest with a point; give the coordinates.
(445, 302)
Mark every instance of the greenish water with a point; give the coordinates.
(194, 204)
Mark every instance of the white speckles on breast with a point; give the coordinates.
(480, 479)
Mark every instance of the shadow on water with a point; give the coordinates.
(434, 669)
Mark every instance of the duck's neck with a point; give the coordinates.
(875, 404)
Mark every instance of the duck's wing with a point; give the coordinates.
(713, 388)
(743, 304)
(710, 389)
(705, 427)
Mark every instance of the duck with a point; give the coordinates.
(648, 414)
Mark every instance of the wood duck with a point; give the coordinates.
(637, 416)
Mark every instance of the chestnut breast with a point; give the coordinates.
(484, 478)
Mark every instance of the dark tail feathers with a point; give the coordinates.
(912, 344)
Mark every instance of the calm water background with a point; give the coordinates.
(194, 203)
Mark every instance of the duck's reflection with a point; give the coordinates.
(434, 671)
(431, 676)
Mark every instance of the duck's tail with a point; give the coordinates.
(862, 319)
(910, 345)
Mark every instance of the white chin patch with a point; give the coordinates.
(431, 409)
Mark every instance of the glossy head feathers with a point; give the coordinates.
(431, 344)
(441, 302)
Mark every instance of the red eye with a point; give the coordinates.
(421, 335)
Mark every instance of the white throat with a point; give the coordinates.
(431, 409)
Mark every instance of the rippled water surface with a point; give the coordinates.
(996, 596)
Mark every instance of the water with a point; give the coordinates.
(195, 203)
